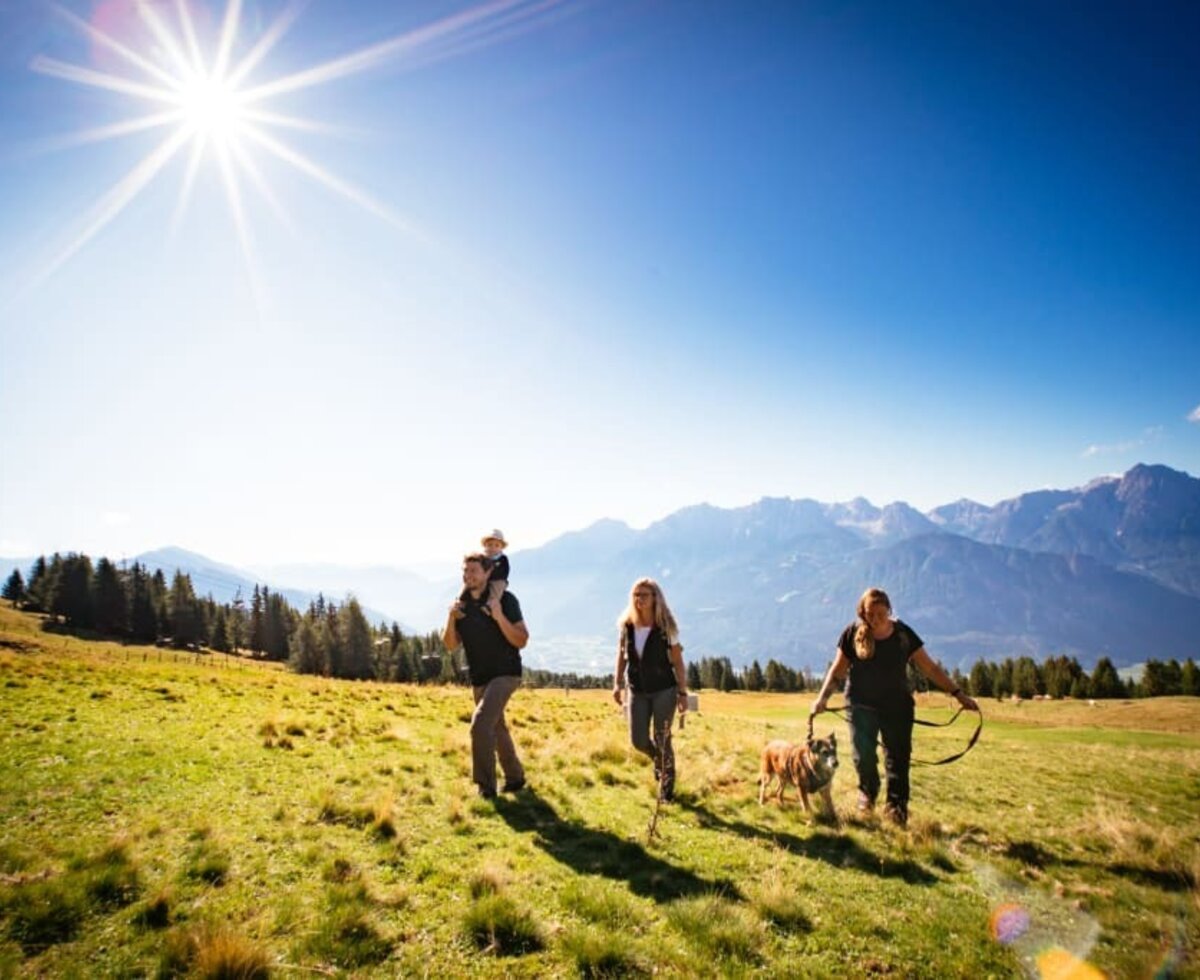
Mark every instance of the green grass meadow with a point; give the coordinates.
(168, 815)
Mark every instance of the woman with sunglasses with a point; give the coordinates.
(650, 659)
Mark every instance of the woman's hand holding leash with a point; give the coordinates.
(968, 702)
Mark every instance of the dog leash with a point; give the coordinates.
(845, 712)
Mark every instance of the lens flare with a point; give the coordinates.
(206, 101)
(1008, 923)
(1059, 964)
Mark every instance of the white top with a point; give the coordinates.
(640, 633)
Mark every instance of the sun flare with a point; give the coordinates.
(211, 101)
(210, 108)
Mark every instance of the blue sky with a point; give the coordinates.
(584, 260)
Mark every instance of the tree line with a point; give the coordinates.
(138, 605)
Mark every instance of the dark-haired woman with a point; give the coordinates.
(648, 651)
(873, 652)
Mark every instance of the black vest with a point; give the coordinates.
(652, 671)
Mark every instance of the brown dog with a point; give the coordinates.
(809, 768)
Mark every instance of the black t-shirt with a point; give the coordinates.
(489, 654)
(882, 681)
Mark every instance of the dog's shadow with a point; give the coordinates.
(832, 848)
(589, 851)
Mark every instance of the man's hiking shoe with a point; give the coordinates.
(897, 814)
(514, 786)
(866, 805)
(487, 794)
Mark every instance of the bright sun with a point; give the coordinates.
(209, 106)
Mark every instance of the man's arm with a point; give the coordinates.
(515, 633)
(450, 632)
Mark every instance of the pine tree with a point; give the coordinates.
(1189, 679)
(158, 595)
(358, 650)
(1154, 682)
(109, 600)
(187, 626)
(331, 641)
(71, 591)
(237, 622)
(257, 625)
(1106, 682)
(218, 632)
(306, 656)
(754, 677)
(1004, 679)
(36, 590)
(14, 588)
(143, 620)
(980, 683)
(276, 625)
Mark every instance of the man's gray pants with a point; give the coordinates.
(489, 735)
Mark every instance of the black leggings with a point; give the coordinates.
(895, 725)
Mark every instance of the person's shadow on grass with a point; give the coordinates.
(832, 848)
(589, 851)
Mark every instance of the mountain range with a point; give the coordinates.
(1108, 569)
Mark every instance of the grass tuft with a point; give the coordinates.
(110, 878)
(340, 870)
(777, 903)
(718, 928)
(208, 862)
(383, 817)
(44, 913)
(487, 881)
(221, 954)
(497, 925)
(156, 913)
(596, 953)
(345, 935)
(598, 902)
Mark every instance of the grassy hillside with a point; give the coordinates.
(164, 815)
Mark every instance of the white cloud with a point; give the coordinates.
(1194, 414)
(1148, 436)
(114, 518)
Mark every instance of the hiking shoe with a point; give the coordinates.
(865, 804)
(897, 814)
(487, 794)
(514, 785)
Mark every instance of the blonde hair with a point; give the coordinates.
(864, 639)
(663, 618)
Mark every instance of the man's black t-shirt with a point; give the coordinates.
(882, 681)
(489, 654)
